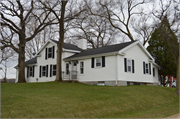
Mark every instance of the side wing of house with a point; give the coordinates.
(137, 66)
(131, 64)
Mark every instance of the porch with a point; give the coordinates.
(71, 75)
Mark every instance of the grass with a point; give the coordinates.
(75, 100)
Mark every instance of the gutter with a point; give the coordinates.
(90, 56)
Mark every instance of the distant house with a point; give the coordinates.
(119, 64)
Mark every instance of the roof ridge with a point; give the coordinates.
(110, 45)
(64, 43)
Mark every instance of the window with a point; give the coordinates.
(43, 70)
(147, 69)
(67, 68)
(154, 72)
(81, 67)
(129, 65)
(49, 52)
(54, 70)
(98, 62)
(30, 71)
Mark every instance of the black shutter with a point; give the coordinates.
(144, 71)
(92, 63)
(103, 61)
(153, 72)
(46, 54)
(125, 64)
(33, 71)
(51, 70)
(46, 70)
(39, 71)
(132, 66)
(53, 52)
(150, 68)
(27, 71)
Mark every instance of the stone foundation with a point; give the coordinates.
(119, 83)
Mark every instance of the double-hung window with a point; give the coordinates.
(98, 62)
(81, 67)
(67, 68)
(49, 52)
(129, 65)
(43, 70)
(147, 68)
(54, 70)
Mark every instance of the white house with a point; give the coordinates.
(120, 64)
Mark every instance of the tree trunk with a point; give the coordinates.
(60, 43)
(177, 78)
(21, 61)
(5, 72)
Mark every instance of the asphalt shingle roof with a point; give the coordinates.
(69, 46)
(101, 50)
(88, 52)
(31, 61)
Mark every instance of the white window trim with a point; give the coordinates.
(146, 68)
(30, 72)
(50, 52)
(81, 67)
(42, 71)
(130, 65)
(100, 62)
(53, 69)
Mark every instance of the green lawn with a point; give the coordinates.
(75, 100)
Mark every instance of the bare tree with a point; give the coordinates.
(63, 21)
(7, 56)
(96, 30)
(16, 15)
(120, 14)
(34, 45)
(143, 28)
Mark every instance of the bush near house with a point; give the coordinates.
(75, 100)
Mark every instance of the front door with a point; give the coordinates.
(74, 70)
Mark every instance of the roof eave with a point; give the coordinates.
(91, 56)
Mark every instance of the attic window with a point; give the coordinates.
(49, 52)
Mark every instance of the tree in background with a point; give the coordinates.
(96, 30)
(16, 15)
(170, 10)
(161, 51)
(34, 45)
(122, 14)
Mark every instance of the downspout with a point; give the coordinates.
(117, 71)
(117, 67)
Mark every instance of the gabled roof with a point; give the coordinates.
(31, 61)
(68, 46)
(102, 50)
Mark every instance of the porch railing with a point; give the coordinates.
(71, 75)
